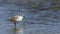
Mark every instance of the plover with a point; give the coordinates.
(16, 19)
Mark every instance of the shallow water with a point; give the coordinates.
(35, 22)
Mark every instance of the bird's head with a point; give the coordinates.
(20, 14)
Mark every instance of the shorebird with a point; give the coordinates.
(16, 18)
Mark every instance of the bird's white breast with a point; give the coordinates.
(18, 18)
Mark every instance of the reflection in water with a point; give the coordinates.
(19, 31)
(15, 30)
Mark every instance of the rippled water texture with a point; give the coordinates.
(36, 23)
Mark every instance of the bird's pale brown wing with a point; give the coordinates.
(13, 19)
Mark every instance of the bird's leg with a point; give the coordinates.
(15, 27)
(15, 24)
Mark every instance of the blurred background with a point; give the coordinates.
(40, 16)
